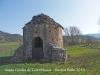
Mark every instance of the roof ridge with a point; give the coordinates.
(42, 18)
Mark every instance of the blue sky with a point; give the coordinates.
(84, 14)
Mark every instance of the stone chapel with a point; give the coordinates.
(42, 39)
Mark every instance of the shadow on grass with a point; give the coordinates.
(40, 61)
(6, 61)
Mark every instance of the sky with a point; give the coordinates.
(84, 14)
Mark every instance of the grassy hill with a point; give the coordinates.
(81, 61)
(7, 37)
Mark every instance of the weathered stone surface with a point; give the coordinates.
(57, 54)
(18, 56)
(50, 32)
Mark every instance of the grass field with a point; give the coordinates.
(81, 61)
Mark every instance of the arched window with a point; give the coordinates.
(38, 42)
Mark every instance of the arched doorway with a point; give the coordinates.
(37, 48)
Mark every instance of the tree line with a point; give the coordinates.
(73, 36)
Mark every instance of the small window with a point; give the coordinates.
(38, 42)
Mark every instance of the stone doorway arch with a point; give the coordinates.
(37, 48)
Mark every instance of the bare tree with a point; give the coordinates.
(73, 34)
(67, 37)
(92, 42)
(89, 41)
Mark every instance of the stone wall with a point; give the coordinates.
(18, 55)
(48, 33)
(56, 54)
(53, 54)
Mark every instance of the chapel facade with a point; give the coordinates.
(42, 39)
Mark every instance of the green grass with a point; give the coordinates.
(83, 61)
(8, 48)
(9, 43)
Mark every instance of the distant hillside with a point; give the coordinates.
(93, 35)
(7, 37)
